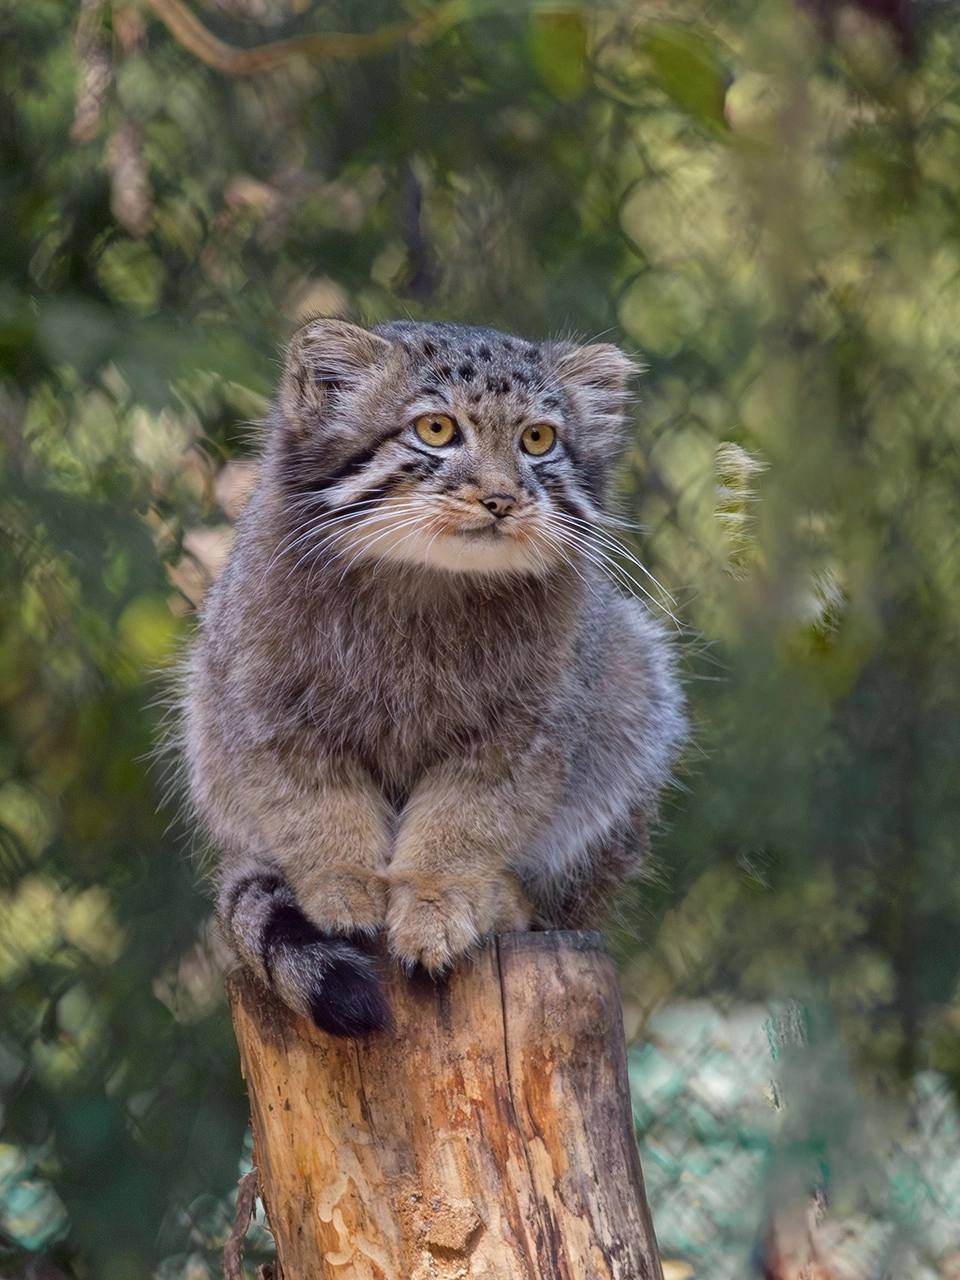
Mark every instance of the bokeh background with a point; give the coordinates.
(762, 198)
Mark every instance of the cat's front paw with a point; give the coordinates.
(345, 900)
(432, 923)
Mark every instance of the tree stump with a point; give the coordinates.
(487, 1136)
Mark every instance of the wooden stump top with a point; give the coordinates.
(487, 1136)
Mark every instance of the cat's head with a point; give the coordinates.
(459, 448)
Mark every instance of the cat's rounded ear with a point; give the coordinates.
(325, 358)
(597, 377)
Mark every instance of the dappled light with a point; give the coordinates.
(761, 201)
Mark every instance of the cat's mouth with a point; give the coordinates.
(456, 541)
(481, 531)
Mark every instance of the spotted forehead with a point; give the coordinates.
(490, 372)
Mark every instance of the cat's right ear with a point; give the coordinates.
(325, 359)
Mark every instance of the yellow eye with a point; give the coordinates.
(538, 439)
(437, 429)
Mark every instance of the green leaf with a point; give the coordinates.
(689, 71)
(558, 44)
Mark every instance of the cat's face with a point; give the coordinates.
(462, 449)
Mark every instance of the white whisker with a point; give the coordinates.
(324, 519)
(373, 511)
(615, 544)
(607, 565)
(371, 519)
(416, 520)
(559, 547)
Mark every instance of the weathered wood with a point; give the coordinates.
(488, 1136)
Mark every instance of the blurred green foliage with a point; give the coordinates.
(763, 199)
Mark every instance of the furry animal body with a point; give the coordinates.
(416, 702)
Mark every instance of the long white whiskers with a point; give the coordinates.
(371, 518)
(324, 519)
(395, 527)
(612, 542)
(559, 547)
(601, 560)
(327, 527)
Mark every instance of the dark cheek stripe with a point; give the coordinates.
(556, 486)
(424, 465)
(429, 461)
(304, 474)
(588, 474)
(417, 467)
(572, 452)
(353, 466)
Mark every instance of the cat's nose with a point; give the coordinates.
(501, 504)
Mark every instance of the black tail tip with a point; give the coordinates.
(350, 1001)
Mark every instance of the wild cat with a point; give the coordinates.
(416, 703)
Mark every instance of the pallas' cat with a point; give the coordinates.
(417, 703)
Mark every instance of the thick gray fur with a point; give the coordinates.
(422, 716)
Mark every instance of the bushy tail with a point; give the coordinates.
(322, 975)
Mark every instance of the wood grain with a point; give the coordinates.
(487, 1136)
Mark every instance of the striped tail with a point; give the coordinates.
(324, 976)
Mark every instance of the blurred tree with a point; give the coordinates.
(760, 198)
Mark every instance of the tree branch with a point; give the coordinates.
(246, 1203)
(186, 28)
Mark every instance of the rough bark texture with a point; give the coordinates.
(487, 1137)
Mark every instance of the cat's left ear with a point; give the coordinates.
(597, 377)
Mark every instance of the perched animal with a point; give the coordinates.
(416, 703)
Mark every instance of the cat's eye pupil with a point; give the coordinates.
(435, 429)
(538, 440)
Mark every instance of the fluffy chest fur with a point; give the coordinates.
(395, 668)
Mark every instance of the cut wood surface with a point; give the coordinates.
(487, 1136)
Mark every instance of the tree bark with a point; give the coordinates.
(487, 1136)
